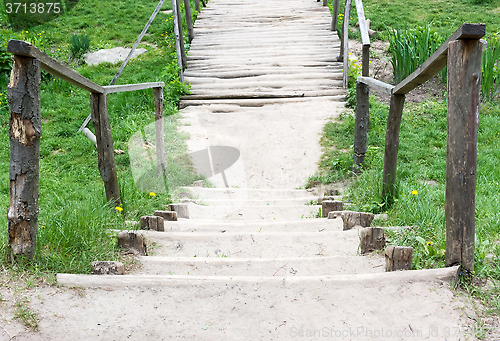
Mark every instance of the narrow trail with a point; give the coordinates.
(253, 261)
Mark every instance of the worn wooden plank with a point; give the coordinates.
(392, 145)
(361, 126)
(437, 61)
(132, 87)
(189, 20)
(49, 64)
(105, 151)
(365, 38)
(377, 85)
(365, 71)
(160, 135)
(464, 90)
(25, 130)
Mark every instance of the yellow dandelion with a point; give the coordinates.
(42, 227)
(414, 192)
(430, 243)
(152, 194)
(118, 208)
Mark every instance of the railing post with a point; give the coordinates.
(344, 44)
(178, 41)
(392, 145)
(189, 20)
(179, 35)
(105, 151)
(335, 16)
(160, 139)
(325, 2)
(25, 129)
(464, 88)
(361, 126)
(197, 6)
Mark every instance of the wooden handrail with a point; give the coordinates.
(438, 60)
(49, 64)
(111, 89)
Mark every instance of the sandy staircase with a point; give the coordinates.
(254, 261)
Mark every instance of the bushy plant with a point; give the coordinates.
(80, 44)
(410, 48)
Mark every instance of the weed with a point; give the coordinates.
(25, 314)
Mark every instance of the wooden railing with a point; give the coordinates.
(462, 54)
(25, 130)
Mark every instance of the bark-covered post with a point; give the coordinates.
(197, 6)
(160, 135)
(392, 145)
(344, 44)
(464, 89)
(361, 125)
(105, 151)
(25, 129)
(189, 19)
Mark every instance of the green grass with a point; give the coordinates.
(74, 219)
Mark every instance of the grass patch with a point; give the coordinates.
(74, 219)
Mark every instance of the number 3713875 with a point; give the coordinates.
(33, 7)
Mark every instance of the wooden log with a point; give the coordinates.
(133, 241)
(107, 268)
(464, 89)
(371, 239)
(392, 145)
(105, 151)
(179, 44)
(335, 16)
(181, 34)
(325, 2)
(363, 27)
(167, 215)
(351, 219)
(155, 223)
(328, 206)
(197, 6)
(160, 134)
(25, 129)
(111, 89)
(49, 64)
(181, 209)
(189, 20)
(344, 47)
(398, 258)
(366, 61)
(361, 126)
(376, 85)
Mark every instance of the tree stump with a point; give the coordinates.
(167, 215)
(371, 239)
(328, 206)
(133, 241)
(351, 219)
(181, 209)
(154, 223)
(398, 258)
(107, 268)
